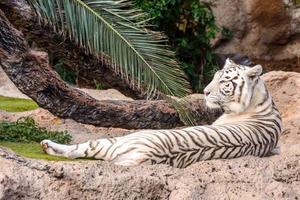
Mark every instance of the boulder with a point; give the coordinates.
(267, 31)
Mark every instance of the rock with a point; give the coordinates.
(275, 177)
(7, 88)
(80, 180)
(267, 31)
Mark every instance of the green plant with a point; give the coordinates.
(119, 30)
(190, 25)
(98, 85)
(26, 130)
(65, 73)
(227, 33)
(16, 104)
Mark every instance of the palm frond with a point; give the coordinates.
(117, 29)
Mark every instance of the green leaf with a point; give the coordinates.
(117, 29)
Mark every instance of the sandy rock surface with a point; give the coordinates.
(7, 88)
(285, 90)
(275, 177)
(109, 94)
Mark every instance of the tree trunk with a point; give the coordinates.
(88, 67)
(31, 73)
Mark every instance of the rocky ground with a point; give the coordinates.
(275, 177)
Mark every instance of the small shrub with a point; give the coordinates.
(27, 130)
(227, 33)
(65, 73)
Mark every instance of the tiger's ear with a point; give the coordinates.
(228, 63)
(254, 71)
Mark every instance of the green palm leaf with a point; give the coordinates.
(115, 28)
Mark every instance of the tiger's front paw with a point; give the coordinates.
(44, 145)
(48, 147)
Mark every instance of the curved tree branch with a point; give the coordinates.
(32, 74)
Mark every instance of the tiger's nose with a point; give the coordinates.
(206, 93)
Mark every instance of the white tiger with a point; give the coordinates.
(250, 125)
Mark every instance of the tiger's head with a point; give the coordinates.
(232, 88)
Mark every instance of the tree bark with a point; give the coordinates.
(30, 71)
(88, 67)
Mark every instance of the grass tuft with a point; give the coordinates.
(10, 104)
(31, 150)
